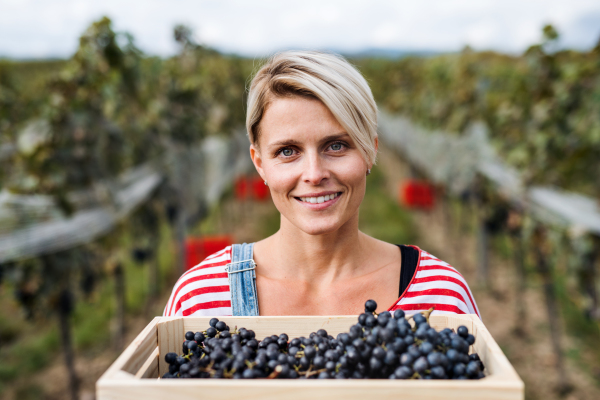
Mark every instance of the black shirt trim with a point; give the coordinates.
(410, 259)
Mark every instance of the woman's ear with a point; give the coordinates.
(257, 161)
(376, 148)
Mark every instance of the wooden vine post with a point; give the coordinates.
(65, 309)
(115, 268)
(589, 275)
(542, 252)
(482, 238)
(515, 230)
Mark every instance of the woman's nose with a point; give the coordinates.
(315, 170)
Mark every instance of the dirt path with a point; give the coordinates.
(531, 355)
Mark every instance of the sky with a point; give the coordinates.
(50, 28)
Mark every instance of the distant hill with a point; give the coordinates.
(380, 52)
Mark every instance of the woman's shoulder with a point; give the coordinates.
(437, 284)
(203, 290)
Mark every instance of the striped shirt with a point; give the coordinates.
(204, 289)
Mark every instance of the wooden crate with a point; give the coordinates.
(134, 375)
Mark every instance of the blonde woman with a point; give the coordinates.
(312, 125)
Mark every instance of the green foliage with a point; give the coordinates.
(381, 217)
(103, 111)
(543, 108)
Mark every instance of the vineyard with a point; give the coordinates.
(111, 160)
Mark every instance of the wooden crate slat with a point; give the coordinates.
(144, 349)
(129, 353)
(380, 389)
(492, 356)
(170, 338)
(150, 368)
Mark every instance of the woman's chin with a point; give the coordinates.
(316, 228)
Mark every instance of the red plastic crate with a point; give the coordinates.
(417, 194)
(197, 249)
(259, 189)
(241, 188)
(251, 187)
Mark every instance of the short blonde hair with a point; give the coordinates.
(323, 76)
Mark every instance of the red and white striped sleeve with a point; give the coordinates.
(203, 290)
(437, 284)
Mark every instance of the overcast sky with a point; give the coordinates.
(50, 28)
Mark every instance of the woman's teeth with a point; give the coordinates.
(319, 199)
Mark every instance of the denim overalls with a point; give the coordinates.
(242, 281)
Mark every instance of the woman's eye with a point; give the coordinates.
(287, 152)
(337, 146)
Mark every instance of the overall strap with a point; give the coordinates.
(242, 280)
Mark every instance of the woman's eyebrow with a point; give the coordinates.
(294, 142)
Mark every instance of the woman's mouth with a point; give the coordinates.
(319, 199)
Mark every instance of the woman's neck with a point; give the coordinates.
(295, 254)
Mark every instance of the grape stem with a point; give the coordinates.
(275, 372)
(426, 314)
(310, 372)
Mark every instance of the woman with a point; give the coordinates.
(312, 124)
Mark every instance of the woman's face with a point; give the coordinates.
(316, 173)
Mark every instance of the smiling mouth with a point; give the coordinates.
(319, 199)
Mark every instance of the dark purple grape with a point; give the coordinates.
(330, 366)
(453, 355)
(414, 351)
(406, 359)
(332, 355)
(304, 363)
(472, 369)
(375, 364)
(319, 362)
(324, 375)
(211, 332)
(370, 306)
(171, 358)
(438, 372)
(470, 339)
(403, 372)
(383, 318)
(419, 319)
(192, 345)
(462, 331)
(391, 358)
(221, 326)
(362, 318)
(199, 337)
(425, 348)
(420, 365)
(225, 334)
(371, 321)
(459, 369)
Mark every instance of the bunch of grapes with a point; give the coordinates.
(379, 346)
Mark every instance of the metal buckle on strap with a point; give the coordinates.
(240, 270)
